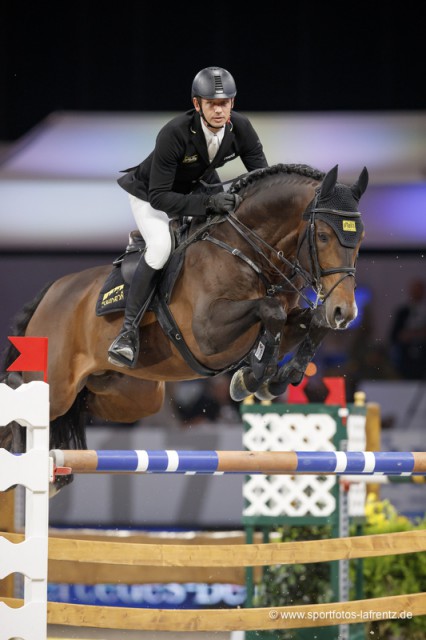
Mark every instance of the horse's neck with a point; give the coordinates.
(288, 245)
(274, 211)
(277, 224)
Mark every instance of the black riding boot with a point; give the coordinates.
(124, 350)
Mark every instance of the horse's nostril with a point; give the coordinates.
(343, 316)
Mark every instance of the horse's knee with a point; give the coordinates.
(272, 314)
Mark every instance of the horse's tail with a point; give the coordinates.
(19, 326)
(69, 430)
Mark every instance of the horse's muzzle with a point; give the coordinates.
(341, 315)
(336, 316)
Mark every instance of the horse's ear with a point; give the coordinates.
(328, 184)
(360, 185)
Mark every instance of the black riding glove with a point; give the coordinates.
(223, 203)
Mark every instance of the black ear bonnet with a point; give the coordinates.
(337, 205)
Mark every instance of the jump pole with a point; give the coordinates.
(368, 463)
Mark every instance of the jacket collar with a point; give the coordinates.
(199, 139)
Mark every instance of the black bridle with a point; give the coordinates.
(311, 278)
(316, 271)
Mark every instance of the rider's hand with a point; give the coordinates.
(223, 203)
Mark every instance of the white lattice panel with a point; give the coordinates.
(289, 496)
(289, 432)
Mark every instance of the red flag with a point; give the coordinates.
(336, 391)
(33, 355)
(297, 395)
(336, 394)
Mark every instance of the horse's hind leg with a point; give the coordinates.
(120, 398)
(12, 436)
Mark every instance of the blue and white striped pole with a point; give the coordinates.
(243, 462)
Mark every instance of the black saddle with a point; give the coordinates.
(113, 295)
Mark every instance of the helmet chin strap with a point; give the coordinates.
(212, 126)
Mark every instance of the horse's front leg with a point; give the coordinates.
(235, 319)
(263, 358)
(292, 372)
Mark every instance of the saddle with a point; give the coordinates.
(113, 295)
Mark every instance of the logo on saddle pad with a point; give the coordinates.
(113, 296)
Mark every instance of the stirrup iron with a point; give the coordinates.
(125, 355)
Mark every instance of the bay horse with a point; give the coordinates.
(236, 303)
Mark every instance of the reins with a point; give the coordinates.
(271, 289)
(311, 279)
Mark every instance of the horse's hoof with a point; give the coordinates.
(59, 483)
(14, 380)
(263, 393)
(237, 389)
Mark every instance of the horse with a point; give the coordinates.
(232, 299)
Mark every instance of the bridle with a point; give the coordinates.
(316, 271)
(311, 278)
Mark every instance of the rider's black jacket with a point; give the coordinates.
(169, 177)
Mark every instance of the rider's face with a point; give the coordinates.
(216, 112)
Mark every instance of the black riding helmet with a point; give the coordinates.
(213, 83)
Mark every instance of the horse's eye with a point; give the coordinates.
(322, 237)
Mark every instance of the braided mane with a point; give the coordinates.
(241, 183)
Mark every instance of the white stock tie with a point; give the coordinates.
(213, 147)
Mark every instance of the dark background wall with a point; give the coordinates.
(138, 56)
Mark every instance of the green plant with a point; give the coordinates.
(393, 574)
(286, 585)
(296, 584)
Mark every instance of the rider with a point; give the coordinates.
(167, 184)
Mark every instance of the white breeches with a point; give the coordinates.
(154, 227)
